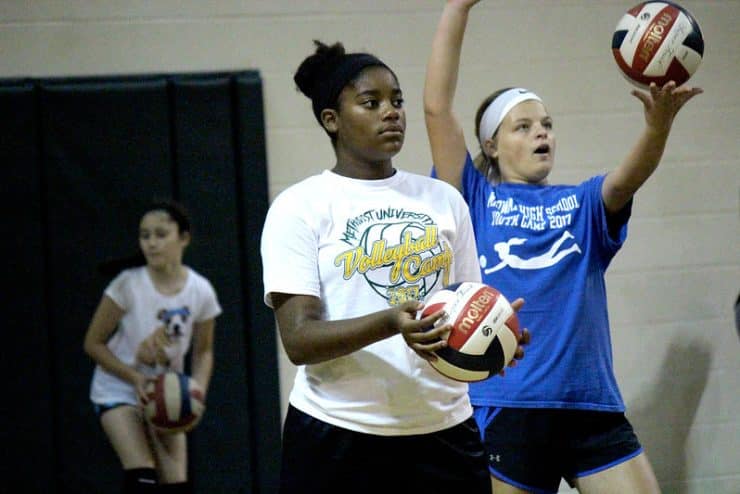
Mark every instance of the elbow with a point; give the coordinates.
(433, 111)
(89, 348)
(297, 356)
(303, 352)
(435, 107)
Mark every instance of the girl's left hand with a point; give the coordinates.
(661, 104)
(524, 339)
(141, 385)
(420, 334)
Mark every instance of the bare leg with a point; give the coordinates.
(126, 431)
(500, 487)
(633, 476)
(172, 456)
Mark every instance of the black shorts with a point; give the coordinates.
(533, 448)
(322, 458)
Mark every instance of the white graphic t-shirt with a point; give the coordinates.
(147, 311)
(362, 246)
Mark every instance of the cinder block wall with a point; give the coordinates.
(671, 289)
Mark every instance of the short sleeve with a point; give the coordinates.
(211, 307)
(289, 249)
(612, 229)
(119, 290)
(466, 256)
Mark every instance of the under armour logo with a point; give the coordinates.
(496, 458)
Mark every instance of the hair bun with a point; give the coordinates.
(315, 68)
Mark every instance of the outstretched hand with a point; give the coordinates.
(661, 104)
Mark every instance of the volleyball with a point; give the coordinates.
(174, 402)
(485, 331)
(657, 42)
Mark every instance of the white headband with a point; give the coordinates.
(499, 107)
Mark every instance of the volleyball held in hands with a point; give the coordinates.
(485, 331)
(174, 402)
(657, 42)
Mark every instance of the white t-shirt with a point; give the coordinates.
(362, 246)
(147, 310)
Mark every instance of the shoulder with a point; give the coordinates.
(431, 183)
(305, 187)
(591, 187)
(596, 180)
(298, 197)
(199, 281)
(123, 287)
(127, 277)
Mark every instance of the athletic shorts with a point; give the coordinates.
(101, 408)
(533, 448)
(319, 458)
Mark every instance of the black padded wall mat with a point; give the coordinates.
(83, 156)
(27, 432)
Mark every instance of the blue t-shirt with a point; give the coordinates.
(551, 245)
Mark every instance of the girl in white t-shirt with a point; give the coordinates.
(348, 257)
(151, 293)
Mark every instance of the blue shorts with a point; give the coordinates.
(533, 448)
(319, 458)
(101, 408)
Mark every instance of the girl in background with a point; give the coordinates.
(145, 323)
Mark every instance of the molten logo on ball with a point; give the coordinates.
(657, 42)
(477, 310)
(653, 37)
(485, 331)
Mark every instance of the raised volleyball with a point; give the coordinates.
(174, 402)
(485, 331)
(657, 42)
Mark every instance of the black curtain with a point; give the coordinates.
(83, 156)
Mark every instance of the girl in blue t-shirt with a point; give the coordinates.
(560, 413)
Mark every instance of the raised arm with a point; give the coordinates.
(661, 106)
(445, 133)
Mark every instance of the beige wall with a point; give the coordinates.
(672, 287)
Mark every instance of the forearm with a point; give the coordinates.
(315, 341)
(102, 355)
(642, 160)
(660, 104)
(202, 368)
